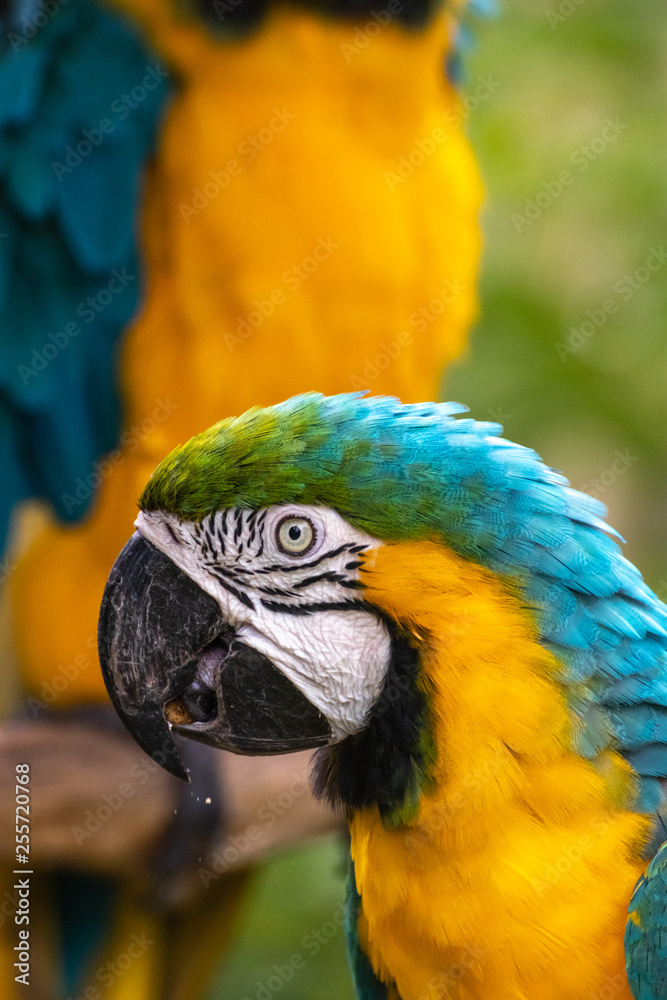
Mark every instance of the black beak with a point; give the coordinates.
(171, 662)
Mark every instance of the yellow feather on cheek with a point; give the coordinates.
(514, 877)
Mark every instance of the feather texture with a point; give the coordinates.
(646, 932)
(513, 878)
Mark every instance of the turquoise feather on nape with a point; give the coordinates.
(646, 932)
(70, 272)
(403, 472)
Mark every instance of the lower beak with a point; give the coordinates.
(171, 663)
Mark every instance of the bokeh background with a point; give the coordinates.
(569, 353)
(593, 404)
(577, 396)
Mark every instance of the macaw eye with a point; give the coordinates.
(295, 536)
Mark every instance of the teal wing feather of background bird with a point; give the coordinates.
(70, 273)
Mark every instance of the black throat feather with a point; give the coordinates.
(387, 764)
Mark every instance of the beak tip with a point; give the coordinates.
(165, 753)
(177, 768)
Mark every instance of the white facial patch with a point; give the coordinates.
(287, 579)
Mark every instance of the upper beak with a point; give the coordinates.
(169, 660)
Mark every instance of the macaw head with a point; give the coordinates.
(247, 612)
(237, 614)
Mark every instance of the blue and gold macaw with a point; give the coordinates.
(455, 630)
(202, 205)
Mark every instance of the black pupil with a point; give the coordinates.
(294, 533)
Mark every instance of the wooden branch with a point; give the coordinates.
(98, 803)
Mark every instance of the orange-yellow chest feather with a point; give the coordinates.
(513, 879)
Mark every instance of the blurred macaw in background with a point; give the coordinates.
(262, 199)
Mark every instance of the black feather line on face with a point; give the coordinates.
(313, 606)
(221, 539)
(173, 534)
(385, 764)
(238, 594)
(283, 568)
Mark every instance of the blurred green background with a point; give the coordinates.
(577, 392)
(588, 393)
(294, 910)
